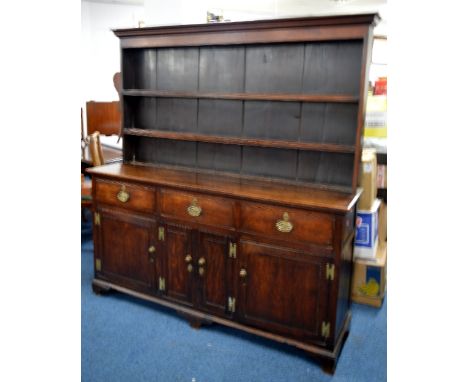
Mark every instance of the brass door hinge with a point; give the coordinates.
(330, 271)
(232, 250)
(98, 264)
(162, 284)
(231, 304)
(97, 218)
(161, 233)
(325, 329)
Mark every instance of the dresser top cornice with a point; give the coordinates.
(255, 190)
(315, 21)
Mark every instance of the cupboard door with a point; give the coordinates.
(213, 272)
(178, 264)
(126, 248)
(282, 290)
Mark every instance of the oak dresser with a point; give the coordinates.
(236, 200)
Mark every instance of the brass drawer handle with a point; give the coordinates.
(284, 225)
(123, 195)
(194, 209)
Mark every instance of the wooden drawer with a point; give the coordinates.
(287, 223)
(126, 195)
(198, 208)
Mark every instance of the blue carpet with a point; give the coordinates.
(126, 339)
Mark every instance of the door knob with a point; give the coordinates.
(152, 249)
(188, 259)
(243, 273)
(201, 261)
(190, 267)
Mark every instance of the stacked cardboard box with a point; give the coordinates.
(370, 279)
(370, 253)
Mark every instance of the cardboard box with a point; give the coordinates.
(370, 279)
(367, 228)
(382, 222)
(381, 176)
(375, 124)
(368, 179)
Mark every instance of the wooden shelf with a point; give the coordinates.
(329, 147)
(338, 98)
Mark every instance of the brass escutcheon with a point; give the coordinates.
(194, 209)
(284, 225)
(123, 195)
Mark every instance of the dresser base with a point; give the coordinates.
(196, 319)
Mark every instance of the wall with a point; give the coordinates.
(100, 47)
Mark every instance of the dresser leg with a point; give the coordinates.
(329, 366)
(101, 289)
(195, 322)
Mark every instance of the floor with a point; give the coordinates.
(125, 339)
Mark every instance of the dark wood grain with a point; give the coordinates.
(140, 198)
(123, 260)
(281, 97)
(213, 249)
(214, 210)
(178, 280)
(297, 305)
(313, 227)
(241, 141)
(293, 196)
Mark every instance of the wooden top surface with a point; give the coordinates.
(255, 190)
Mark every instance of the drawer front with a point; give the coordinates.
(287, 223)
(197, 208)
(125, 195)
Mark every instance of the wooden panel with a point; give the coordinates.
(213, 249)
(274, 68)
(310, 227)
(344, 289)
(333, 67)
(165, 151)
(139, 68)
(177, 69)
(222, 69)
(329, 123)
(326, 168)
(176, 114)
(220, 117)
(214, 210)
(144, 113)
(268, 162)
(178, 280)
(124, 241)
(103, 117)
(225, 158)
(272, 120)
(283, 290)
(141, 198)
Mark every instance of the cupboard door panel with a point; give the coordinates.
(178, 279)
(283, 290)
(125, 240)
(213, 261)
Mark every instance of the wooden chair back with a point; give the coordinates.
(95, 149)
